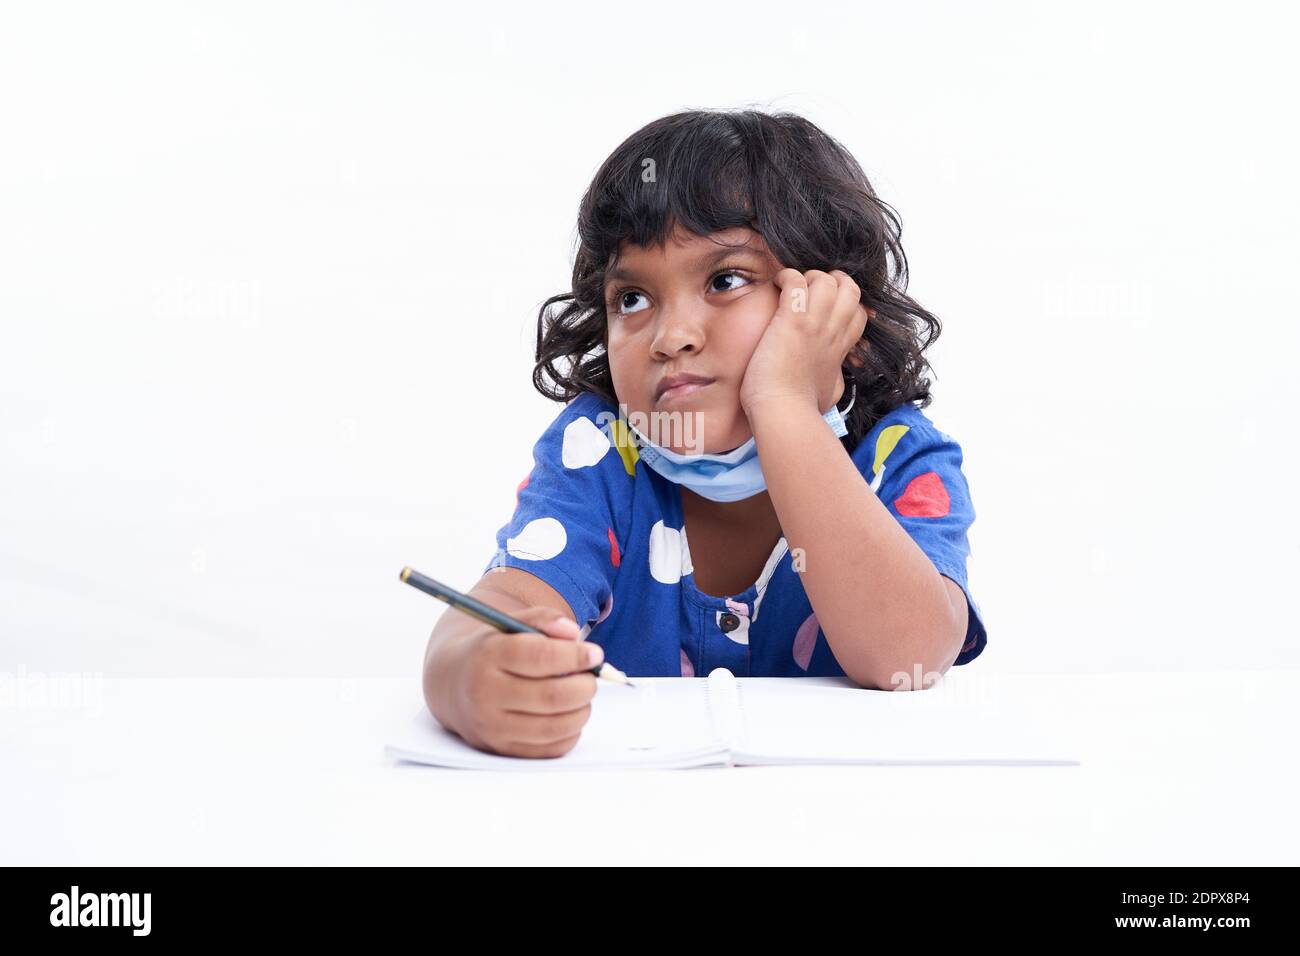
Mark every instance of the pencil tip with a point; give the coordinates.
(406, 573)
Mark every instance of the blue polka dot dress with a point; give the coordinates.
(608, 534)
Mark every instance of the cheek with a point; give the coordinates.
(746, 326)
(623, 369)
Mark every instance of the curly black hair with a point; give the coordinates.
(777, 173)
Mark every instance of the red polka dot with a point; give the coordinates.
(925, 497)
(613, 548)
(522, 485)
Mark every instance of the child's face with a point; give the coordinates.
(691, 306)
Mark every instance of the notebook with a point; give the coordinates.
(725, 721)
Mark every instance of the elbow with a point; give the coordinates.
(911, 654)
(921, 670)
(916, 677)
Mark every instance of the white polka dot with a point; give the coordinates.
(584, 444)
(540, 540)
(665, 554)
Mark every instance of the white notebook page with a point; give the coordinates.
(652, 726)
(666, 723)
(785, 722)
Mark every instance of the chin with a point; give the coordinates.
(733, 439)
(685, 424)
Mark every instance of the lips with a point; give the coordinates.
(681, 384)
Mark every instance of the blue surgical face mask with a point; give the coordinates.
(730, 477)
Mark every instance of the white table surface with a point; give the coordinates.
(1175, 769)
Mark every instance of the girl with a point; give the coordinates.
(741, 366)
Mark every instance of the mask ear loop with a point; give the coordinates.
(853, 395)
(637, 438)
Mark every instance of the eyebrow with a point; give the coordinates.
(699, 264)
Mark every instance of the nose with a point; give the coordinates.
(679, 327)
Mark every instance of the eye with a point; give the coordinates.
(713, 283)
(622, 304)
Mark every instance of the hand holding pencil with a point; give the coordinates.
(521, 685)
(504, 622)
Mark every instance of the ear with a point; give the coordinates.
(862, 345)
(854, 357)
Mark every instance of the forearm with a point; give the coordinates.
(878, 598)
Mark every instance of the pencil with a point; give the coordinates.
(490, 615)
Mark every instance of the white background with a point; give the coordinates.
(269, 276)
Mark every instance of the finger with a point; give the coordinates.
(822, 289)
(543, 729)
(558, 749)
(541, 696)
(562, 628)
(787, 277)
(860, 329)
(551, 623)
(849, 311)
(536, 655)
(846, 281)
(848, 302)
(794, 292)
